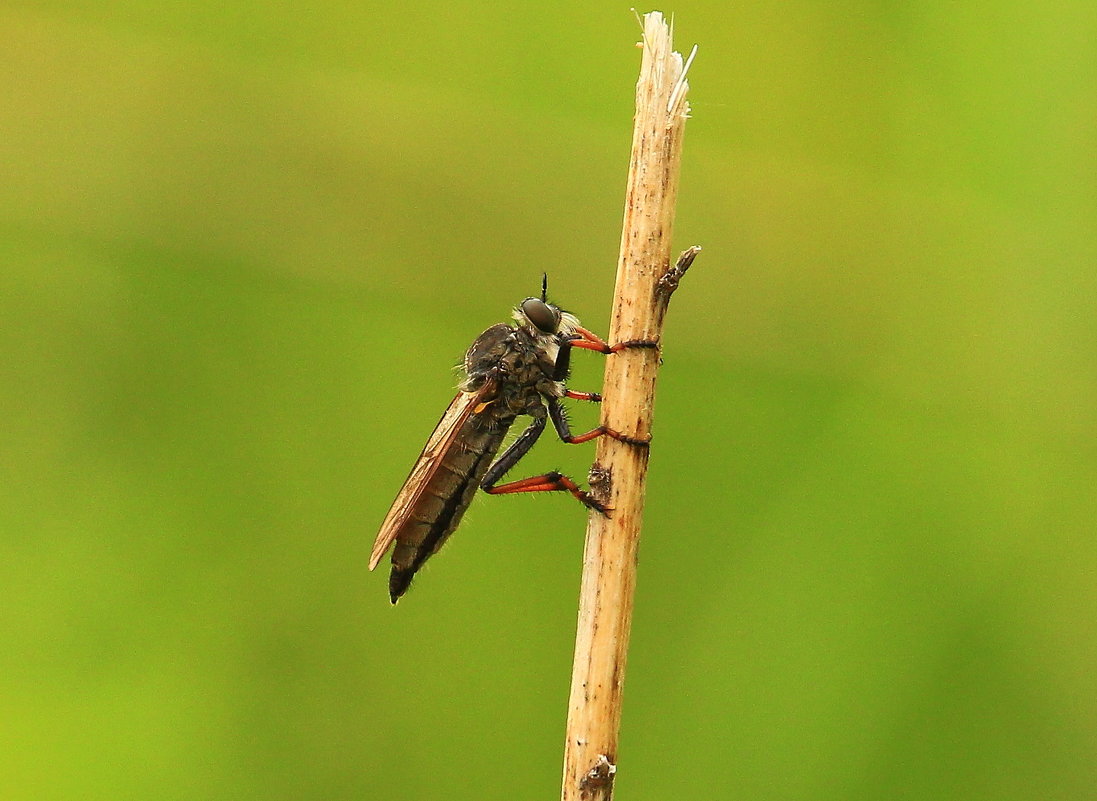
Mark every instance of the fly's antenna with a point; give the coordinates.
(544, 287)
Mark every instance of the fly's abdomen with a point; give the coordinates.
(444, 499)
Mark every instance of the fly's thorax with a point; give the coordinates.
(485, 355)
(520, 359)
(521, 372)
(532, 350)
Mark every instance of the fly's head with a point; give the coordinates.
(543, 320)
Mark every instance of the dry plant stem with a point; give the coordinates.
(644, 285)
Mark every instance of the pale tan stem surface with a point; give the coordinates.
(619, 474)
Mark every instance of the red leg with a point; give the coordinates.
(575, 439)
(594, 397)
(591, 341)
(605, 431)
(563, 430)
(550, 482)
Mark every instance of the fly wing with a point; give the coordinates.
(443, 438)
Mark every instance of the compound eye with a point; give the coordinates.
(545, 317)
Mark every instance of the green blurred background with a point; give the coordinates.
(243, 243)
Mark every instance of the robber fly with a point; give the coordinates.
(510, 370)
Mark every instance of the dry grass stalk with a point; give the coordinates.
(644, 285)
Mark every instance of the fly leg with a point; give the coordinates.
(563, 429)
(591, 341)
(593, 397)
(549, 482)
(582, 338)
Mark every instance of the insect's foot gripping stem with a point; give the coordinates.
(617, 435)
(550, 482)
(652, 344)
